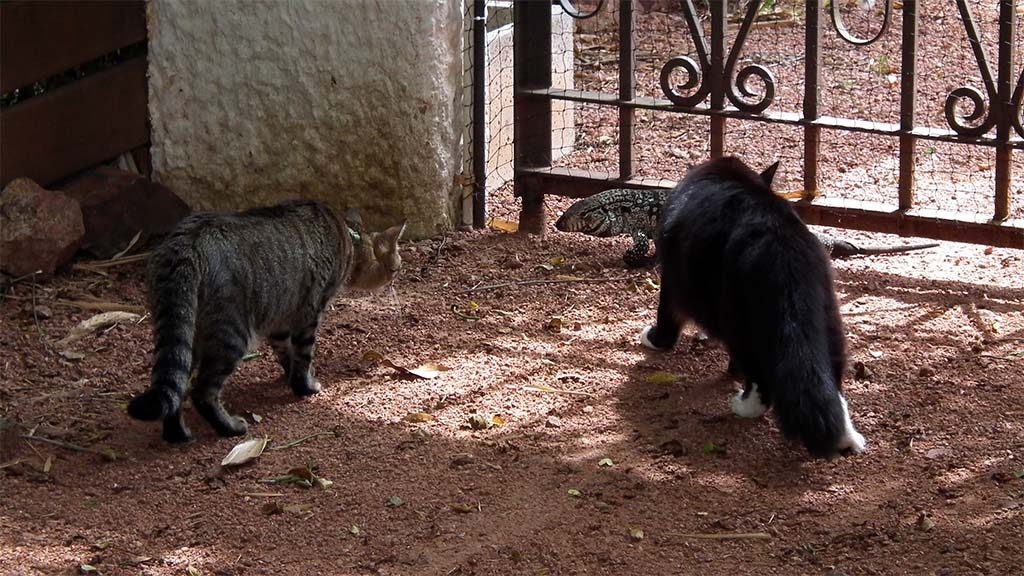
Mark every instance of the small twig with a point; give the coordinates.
(9, 464)
(112, 262)
(31, 275)
(35, 317)
(551, 390)
(536, 282)
(1007, 358)
(300, 440)
(724, 536)
(61, 444)
(102, 306)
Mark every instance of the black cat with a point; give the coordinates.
(221, 282)
(736, 259)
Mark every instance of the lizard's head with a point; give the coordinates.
(582, 218)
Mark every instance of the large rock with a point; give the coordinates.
(39, 229)
(117, 205)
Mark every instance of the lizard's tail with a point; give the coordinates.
(897, 249)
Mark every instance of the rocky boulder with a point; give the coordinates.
(117, 205)
(39, 229)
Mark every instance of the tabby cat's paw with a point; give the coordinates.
(306, 386)
(176, 432)
(234, 426)
(148, 406)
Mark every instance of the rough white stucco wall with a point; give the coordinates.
(355, 103)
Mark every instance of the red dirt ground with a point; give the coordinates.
(938, 492)
(940, 334)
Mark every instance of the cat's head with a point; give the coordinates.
(375, 256)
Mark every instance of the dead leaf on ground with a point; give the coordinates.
(71, 355)
(301, 476)
(96, 323)
(662, 377)
(636, 534)
(554, 324)
(427, 371)
(503, 225)
(462, 508)
(417, 417)
(480, 422)
(244, 452)
(924, 523)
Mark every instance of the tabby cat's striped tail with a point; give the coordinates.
(173, 289)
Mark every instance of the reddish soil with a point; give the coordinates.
(940, 333)
(940, 397)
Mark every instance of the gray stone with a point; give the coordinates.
(117, 205)
(39, 229)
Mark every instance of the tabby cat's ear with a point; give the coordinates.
(395, 232)
(769, 173)
(353, 220)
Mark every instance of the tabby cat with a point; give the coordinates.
(737, 260)
(220, 282)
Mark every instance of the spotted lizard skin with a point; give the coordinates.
(635, 212)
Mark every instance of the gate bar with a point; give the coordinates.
(627, 88)
(812, 73)
(531, 115)
(1003, 107)
(908, 105)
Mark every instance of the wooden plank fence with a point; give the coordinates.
(83, 122)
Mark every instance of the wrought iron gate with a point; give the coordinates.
(716, 89)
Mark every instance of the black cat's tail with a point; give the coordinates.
(173, 286)
(809, 407)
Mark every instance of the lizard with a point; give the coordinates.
(635, 212)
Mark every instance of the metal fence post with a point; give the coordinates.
(532, 114)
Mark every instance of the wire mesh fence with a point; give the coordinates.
(879, 115)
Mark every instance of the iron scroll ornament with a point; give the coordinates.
(696, 71)
(575, 12)
(767, 79)
(845, 34)
(980, 118)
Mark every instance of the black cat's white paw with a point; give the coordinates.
(852, 441)
(645, 338)
(748, 404)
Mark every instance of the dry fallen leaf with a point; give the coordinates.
(427, 371)
(271, 508)
(417, 417)
(95, 323)
(554, 324)
(636, 534)
(72, 355)
(661, 377)
(244, 452)
(504, 225)
(480, 422)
